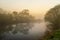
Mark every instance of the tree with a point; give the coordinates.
(24, 18)
(53, 16)
(7, 20)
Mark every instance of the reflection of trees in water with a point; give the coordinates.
(18, 32)
(22, 27)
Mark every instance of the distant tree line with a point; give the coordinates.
(7, 19)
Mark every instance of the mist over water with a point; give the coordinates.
(34, 33)
(38, 29)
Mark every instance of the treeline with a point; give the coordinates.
(53, 16)
(10, 18)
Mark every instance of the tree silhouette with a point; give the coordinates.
(53, 16)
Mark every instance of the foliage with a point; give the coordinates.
(53, 16)
(8, 19)
(57, 35)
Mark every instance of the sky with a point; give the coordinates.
(36, 7)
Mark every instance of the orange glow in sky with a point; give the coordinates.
(36, 7)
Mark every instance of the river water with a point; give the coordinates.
(34, 33)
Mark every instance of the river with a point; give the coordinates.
(34, 33)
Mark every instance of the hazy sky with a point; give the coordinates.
(35, 6)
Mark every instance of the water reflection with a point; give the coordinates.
(24, 31)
